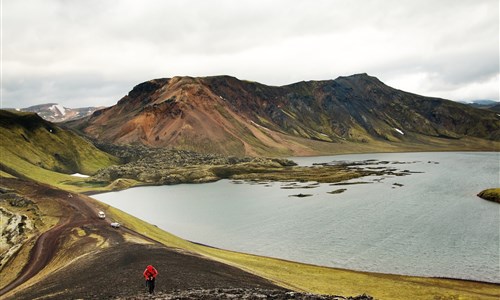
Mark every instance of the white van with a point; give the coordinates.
(101, 215)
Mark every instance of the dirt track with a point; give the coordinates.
(48, 242)
(115, 270)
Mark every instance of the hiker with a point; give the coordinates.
(150, 275)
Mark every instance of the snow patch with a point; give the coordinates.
(259, 125)
(399, 130)
(58, 108)
(80, 175)
(17, 109)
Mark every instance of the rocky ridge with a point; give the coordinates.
(249, 294)
(18, 218)
(54, 112)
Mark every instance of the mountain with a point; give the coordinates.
(485, 104)
(40, 150)
(223, 114)
(54, 112)
(495, 108)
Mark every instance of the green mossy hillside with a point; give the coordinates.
(34, 148)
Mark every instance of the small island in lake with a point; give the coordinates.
(491, 194)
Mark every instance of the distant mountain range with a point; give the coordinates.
(485, 104)
(54, 112)
(222, 114)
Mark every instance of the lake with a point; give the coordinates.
(428, 223)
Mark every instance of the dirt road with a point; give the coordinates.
(115, 270)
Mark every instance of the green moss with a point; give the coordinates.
(337, 191)
(491, 194)
(46, 145)
(39, 150)
(324, 174)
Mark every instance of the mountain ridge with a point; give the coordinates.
(56, 113)
(222, 114)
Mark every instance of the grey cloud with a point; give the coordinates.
(72, 90)
(95, 49)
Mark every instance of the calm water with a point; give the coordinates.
(429, 223)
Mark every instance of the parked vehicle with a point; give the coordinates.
(101, 215)
(115, 225)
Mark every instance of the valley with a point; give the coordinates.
(198, 130)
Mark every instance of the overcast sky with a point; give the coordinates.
(92, 52)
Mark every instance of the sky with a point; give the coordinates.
(93, 52)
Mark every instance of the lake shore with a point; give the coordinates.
(395, 186)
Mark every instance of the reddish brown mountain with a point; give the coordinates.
(222, 114)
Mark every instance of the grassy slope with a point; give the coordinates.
(316, 279)
(421, 144)
(39, 150)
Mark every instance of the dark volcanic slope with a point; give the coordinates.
(247, 294)
(88, 259)
(225, 115)
(118, 272)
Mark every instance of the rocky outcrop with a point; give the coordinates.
(163, 166)
(249, 294)
(15, 226)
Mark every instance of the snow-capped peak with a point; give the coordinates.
(58, 108)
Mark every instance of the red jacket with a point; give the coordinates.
(150, 272)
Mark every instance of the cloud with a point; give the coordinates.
(94, 52)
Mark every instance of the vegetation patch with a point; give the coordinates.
(491, 194)
(339, 191)
(351, 183)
